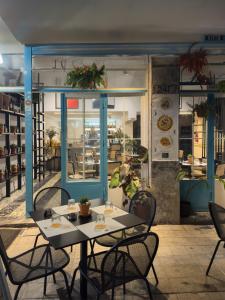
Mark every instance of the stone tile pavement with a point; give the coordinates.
(183, 255)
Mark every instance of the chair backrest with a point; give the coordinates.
(143, 205)
(4, 255)
(217, 213)
(129, 259)
(50, 197)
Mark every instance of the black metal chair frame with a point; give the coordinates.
(123, 234)
(123, 243)
(222, 239)
(35, 200)
(48, 270)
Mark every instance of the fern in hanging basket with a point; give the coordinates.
(203, 109)
(86, 77)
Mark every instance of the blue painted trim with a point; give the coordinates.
(101, 49)
(98, 91)
(210, 150)
(63, 140)
(89, 188)
(104, 146)
(29, 128)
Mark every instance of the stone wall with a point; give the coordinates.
(165, 189)
(165, 111)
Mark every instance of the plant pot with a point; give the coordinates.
(14, 169)
(13, 129)
(84, 209)
(13, 150)
(190, 160)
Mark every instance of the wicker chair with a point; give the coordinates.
(117, 266)
(218, 217)
(39, 262)
(143, 205)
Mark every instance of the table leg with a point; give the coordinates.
(83, 280)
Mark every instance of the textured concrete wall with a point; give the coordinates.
(165, 189)
(165, 81)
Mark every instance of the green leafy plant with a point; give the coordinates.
(51, 133)
(221, 180)
(86, 77)
(84, 200)
(125, 177)
(203, 109)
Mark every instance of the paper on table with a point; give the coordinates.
(115, 213)
(49, 231)
(90, 230)
(64, 210)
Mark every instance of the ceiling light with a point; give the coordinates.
(1, 59)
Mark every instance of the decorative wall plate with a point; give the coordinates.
(165, 122)
(165, 103)
(165, 141)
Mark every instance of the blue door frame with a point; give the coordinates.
(91, 189)
(94, 50)
(200, 192)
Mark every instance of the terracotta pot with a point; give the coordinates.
(84, 209)
(190, 159)
(13, 129)
(14, 169)
(13, 150)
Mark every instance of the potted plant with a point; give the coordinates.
(190, 158)
(13, 129)
(13, 148)
(84, 206)
(125, 177)
(51, 133)
(86, 77)
(203, 109)
(14, 169)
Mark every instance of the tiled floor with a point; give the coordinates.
(183, 255)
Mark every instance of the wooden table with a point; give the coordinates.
(77, 237)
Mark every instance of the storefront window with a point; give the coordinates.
(192, 140)
(83, 140)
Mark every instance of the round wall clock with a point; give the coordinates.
(165, 122)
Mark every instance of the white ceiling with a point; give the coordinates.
(32, 21)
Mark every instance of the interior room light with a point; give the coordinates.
(1, 59)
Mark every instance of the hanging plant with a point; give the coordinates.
(195, 62)
(203, 109)
(86, 77)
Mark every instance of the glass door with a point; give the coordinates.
(84, 156)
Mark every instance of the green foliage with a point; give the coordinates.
(203, 109)
(221, 180)
(221, 86)
(181, 174)
(51, 133)
(84, 200)
(126, 178)
(86, 77)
